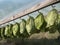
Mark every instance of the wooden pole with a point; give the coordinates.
(28, 11)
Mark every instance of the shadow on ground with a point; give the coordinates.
(30, 42)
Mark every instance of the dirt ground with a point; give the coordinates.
(31, 42)
(35, 39)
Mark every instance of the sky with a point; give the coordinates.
(10, 7)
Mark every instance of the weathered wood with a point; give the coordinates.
(27, 11)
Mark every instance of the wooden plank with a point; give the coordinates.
(24, 12)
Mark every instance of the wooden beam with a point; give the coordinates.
(27, 11)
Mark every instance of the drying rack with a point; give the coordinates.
(35, 8)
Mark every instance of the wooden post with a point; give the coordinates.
(27, 11)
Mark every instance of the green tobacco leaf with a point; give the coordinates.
(39, 20)
(23, 30)
(51, 17)
(58, 23)
(15, 29)
(2, 32)
(8, 30)
(22, 26)
(30, 25)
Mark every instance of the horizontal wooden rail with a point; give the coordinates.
(30, 10)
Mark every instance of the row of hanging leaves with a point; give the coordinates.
(24, 29)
